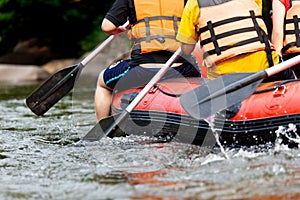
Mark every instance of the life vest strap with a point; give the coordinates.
(261, 36)
(295, 31)
(160, 38)
(256, 26)
(223, 48)
(226, 34)
(268, 49)
(146, 19)
(226, 21)
(213, 38)
(255, 39)
(210, 27)
(171, 18)
(288, 46)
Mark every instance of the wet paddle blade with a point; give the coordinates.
(106, 127)
(53, 89)
(227, 90)
(62, 82)
(219, 94)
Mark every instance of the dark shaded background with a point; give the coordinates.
(37, 31)
(49, 29)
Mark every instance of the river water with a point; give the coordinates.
(40, 158)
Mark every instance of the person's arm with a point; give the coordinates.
(187, 49)
(187, 34)
(278, 18)
(109, 28)
(115, 18)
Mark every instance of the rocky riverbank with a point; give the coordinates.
(17, 74)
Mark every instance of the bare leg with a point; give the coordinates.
(102, 99)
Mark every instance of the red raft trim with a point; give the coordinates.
(271, 103)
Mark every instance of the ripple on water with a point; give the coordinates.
(39, 159)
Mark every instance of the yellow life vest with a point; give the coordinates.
(291, 42)
(229, 28)
(259, 3)
(157, 25)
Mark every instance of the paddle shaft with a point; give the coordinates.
(227, 90)
(81, 65)
(97, 131)
(74, 70)
(62, 82)
(282, 66)
(254, 77)
(153, 81)
(84, 62)
(144, 91)
(98, 49)
(89, 58)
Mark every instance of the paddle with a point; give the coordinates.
(61, 82)
(227, 90)
(110, 124)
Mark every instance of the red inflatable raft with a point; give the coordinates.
(256, 120)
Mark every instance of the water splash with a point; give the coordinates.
(210, 120)
(287, 137)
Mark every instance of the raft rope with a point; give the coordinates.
(277, 85)
(166, 93)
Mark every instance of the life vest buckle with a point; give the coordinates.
(161, 39)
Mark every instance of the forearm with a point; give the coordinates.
(109, 28)
(278, 25)
(187, 49)
(277, 40)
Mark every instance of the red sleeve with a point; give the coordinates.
(286, 3)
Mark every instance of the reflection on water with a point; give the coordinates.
(40, 159)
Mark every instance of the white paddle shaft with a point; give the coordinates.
(282, 66)
(153, 81)
(102, 46)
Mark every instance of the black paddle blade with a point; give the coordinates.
(53, 89)
(219, 94)
(105, 127)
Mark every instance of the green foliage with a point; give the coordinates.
(68, 26)
(94, 38)
(3, 2)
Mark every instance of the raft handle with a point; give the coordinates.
(277, 92)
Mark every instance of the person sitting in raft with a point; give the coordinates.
(234, 38)
(286, 29)
(153, 38)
